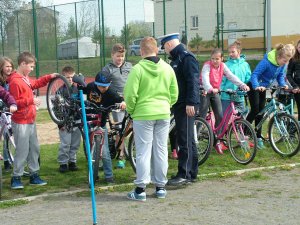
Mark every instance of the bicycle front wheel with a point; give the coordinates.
(96, 149)
(242, 141)
(203, 139)
(284, 134)
(9, 146)
(57, 97)
(132, 152)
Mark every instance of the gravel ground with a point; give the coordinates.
(272, 200)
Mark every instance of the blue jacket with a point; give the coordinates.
(266, 71)
(187, 72)
(241, 69)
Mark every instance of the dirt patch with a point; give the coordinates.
(47, 133)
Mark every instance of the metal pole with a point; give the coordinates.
(88, 148)
(125, 27)
(2, 35)
(218, 23)
(19, 41)
(76, 24)
(55, 33)
(269, 34)
(264, 22)
(36, 42)
(103, 35)
(100, 43)
(164, 14)
(222, 23)
(185, 24)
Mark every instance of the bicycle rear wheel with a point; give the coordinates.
(284, 134)
(203, 138)
(242, 141)
(57, 98)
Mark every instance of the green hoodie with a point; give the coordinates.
(272, 57)
(150, 91)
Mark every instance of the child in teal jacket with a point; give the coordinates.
(238, 66)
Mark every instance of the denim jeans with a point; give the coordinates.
(106, 159)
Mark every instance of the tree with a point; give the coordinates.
(135, 29)
(71, 29)
(196, 42)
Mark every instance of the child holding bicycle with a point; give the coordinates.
(210, 79)
(271, 67)
(69, 140)
(100, 93)
(238, 66)
(23, 120)
(6, 68)
(293, 76)
(119, 69)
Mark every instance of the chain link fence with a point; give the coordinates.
(81, 34)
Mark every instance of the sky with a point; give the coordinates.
(114, 19)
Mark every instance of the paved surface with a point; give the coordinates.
(271, 198)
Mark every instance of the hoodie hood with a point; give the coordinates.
(240, 60)
(272, 57)
(151, 68)
(14, 74)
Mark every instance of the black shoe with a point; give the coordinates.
(73, 166)
(177, 181)
(110, 180)
(63, 168)
(7, 166)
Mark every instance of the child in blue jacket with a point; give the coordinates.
(271, 67)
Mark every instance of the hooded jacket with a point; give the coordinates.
(150, 91)
(293, 73)
(266, 71)
(21, 88)
(241, 69)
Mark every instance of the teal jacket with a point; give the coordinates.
(150, 90)
(241, 69)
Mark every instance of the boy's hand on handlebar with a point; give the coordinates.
(215, 90)
(260, 88)
(53, 75)
(296, 90)
(13, 108)
(285, 87)
(123, 105)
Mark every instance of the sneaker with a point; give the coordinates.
(137, 197)
(218, 148)
(120, 164)
(36, 180)
(260, 143)
(63, 168)
(7, 166)
(110, 180)
(161, 193)
(223, 146)
(16, 183)
(174, 154)
(73, 166)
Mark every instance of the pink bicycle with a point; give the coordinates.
(235, 132)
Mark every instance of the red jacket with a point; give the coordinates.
(21, 88)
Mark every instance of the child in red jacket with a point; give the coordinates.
(23, 120)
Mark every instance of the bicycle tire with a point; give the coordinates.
(203, 138)
(10, 146)
(132, 152)
(242, 141)
(290, 136)
(57, 99)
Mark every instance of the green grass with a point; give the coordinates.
(43, 116)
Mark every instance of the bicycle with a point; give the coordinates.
(203, 136)
(283, 128)
(236, 131)
(65, 110)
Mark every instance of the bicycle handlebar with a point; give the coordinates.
(234, 92)
(93, 106)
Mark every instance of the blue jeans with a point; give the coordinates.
(106, 159)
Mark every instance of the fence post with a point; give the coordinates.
(55, 30)
(36, 42)
(76, 24)
(2, 35)
(103, 35)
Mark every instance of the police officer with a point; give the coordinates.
(186, 68)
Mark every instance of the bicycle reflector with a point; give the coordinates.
(281, 106)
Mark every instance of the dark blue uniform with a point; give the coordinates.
(187, 72)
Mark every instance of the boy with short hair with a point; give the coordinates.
(23, 120)
(118, 69)
(100, 93)
(69, 140)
